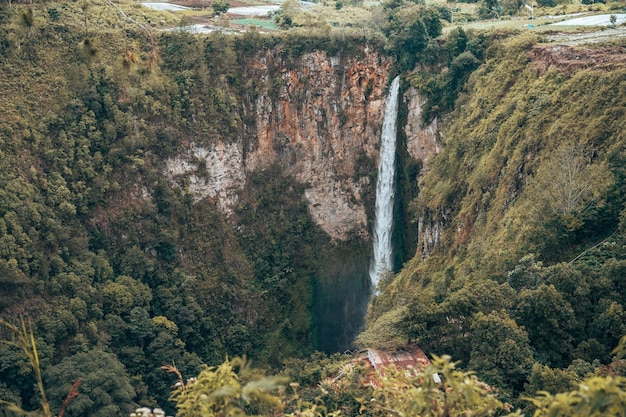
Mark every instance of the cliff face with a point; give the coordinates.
(422, 140)
(326, 115)
(317, 119)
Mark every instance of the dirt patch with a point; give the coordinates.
(617, 34)
(202, 20)
(205, 4)
(568, 59)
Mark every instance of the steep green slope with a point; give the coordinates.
(102, 252)
(530, 180)
(105, 254)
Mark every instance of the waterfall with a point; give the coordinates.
(382, 263)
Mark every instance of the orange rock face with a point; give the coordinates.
(316, 119)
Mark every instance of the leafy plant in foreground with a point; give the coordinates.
(235, 389)
(439, 390)
(23, 338)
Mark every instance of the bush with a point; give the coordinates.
(220, 6)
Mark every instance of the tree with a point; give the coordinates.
(526, 274)
(455, 43)
(220, 6)
(14, 284)
(609, 325)
(549, 321)
(544, 378)
(123, 294)
(409, 28)
(570, 183)
(489, 9)
(501, 353)
(105, 388)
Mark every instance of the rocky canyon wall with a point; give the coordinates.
(422, 142)
(318, 117)
(324, 115)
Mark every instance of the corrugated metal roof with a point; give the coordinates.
(411, 357)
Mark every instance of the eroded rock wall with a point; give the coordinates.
(422, 139)
(422, 142)
(317, 118)
(214, 172)
(324, 115)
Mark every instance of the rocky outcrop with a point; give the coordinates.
(568, 59)
(429, 236)
(212, 171)
(316, 120)
(422, 141)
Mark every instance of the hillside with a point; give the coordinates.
(176, 199)
(167, 198)
(521, 220)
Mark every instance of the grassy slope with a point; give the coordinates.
(84, 205)
(485, 184)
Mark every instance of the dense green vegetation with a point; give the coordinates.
(236, 388)
(526, 286)
(110, 260)
(120, 271)
(438, 390)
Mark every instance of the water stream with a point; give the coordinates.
(382, 262)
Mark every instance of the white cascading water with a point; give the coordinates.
(382, 264)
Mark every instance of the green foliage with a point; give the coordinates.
(460, 53)
(550, 322)
(279, 235)
(501, 353)
(221, 391)
(544, 378)
(595, 396)
(443, 89)
(104, 390)
(439, 389)
(409, 28)
(220, 6)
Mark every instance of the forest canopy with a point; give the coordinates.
(120, 270)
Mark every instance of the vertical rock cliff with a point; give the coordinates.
(324, 115)
(422, 142)
(318, 118)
